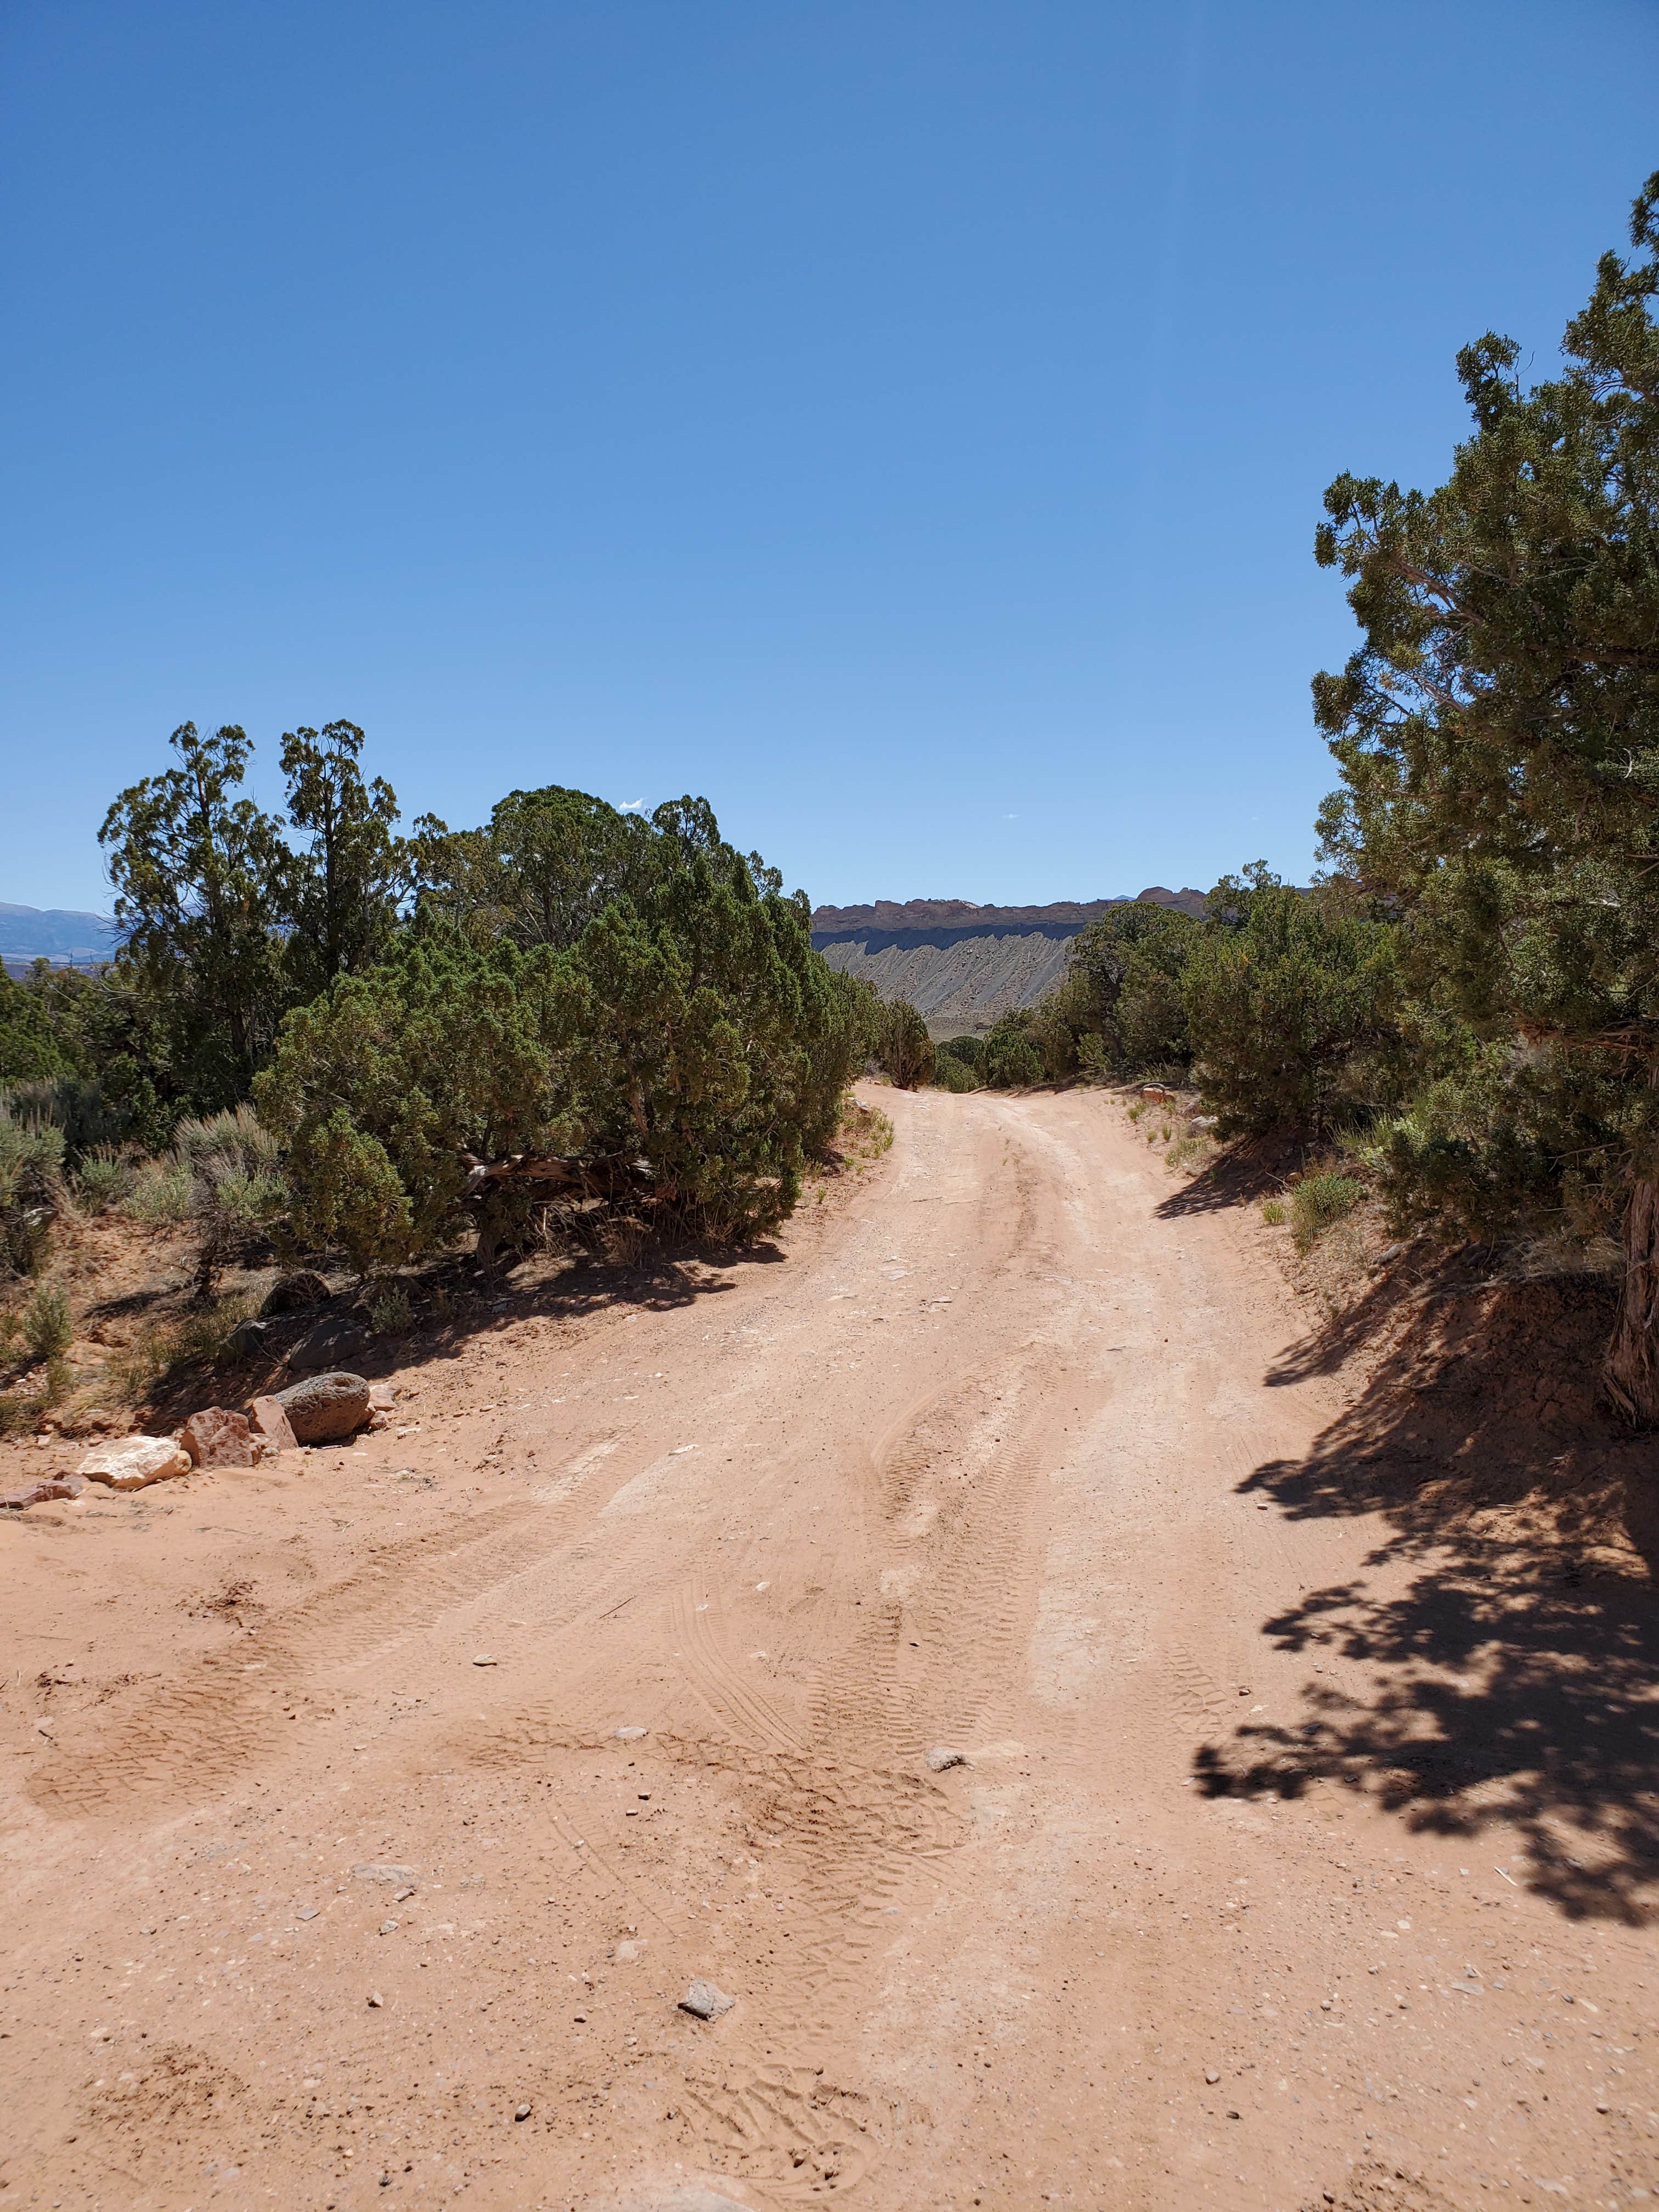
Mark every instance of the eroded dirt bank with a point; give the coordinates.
(1280, 1873)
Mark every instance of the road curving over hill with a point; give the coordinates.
(407, 1790)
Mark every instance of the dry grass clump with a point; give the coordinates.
(865, 1134)
(1320, 1199)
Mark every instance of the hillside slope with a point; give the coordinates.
(964, 966)
(54, 932)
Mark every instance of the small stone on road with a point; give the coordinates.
(705, 2002)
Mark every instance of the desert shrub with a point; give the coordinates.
(1010, 1059)
(31, 1189)
(903, 1050)
(104, 1178)
(1293, 1011)
(75, 1107)
(204, 1336)
(1273, 1212)
(31, 1050)
(1320, 1199)
(1120, 1006)
(951, 1074)
(21, 1411)
(967, 1049)
(47, 1327)
(224, 1176)
(161, 1191)
(689, 1028)
(390, 1313)
(865, 1133)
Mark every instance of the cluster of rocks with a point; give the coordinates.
(327, 1404)
(320, 1409)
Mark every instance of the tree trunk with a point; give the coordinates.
(1630, 1373)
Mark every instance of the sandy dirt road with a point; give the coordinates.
(304, 1905)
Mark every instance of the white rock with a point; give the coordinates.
(705, 2001)
(372, 1870)
(942, 1756)
(134, 1462)
(631, 1734)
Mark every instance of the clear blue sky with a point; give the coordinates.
(904, 421)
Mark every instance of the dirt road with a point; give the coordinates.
(307, 1902)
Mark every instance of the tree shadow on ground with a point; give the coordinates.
(457, 1307)
(1242, 1175)
(1508, 1619)
(582, 1284)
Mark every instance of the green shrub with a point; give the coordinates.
(162, 1191)
(1010, 1059)
(31, 1051)
(1119, 1010)
(1318, 1200)
(104, 1178)
(689, 1029)
(48, 1328)
(905, 1051)
(1293, 1011)
(951, 1074)
(390, 1313)
(1273, 1212)
(31, 1189)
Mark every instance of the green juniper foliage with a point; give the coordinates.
(1499, 738)
(201, 882)
(688, 1024)
(345, 886)
(903, 1050)
(1291, 1010)
(1010, 1058)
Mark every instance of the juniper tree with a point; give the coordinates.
(345, 882)
(1497, 732)
(201, 877)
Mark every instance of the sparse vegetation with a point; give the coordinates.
(47, 1327)
(104, 1178)
(1320, 1198)
(202, 1336)
(390, 1313)
(30, 1188)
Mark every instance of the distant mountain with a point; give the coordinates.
(962, 965)
(54, 932)
(957, 914)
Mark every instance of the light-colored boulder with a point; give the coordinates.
(324, 1406)
(134, 1462)
(272, 1425)
(214, 1437)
